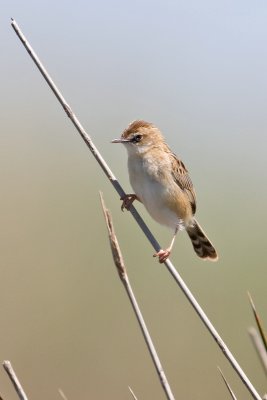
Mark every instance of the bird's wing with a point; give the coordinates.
(183, 180)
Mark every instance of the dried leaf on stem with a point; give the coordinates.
(118, 260)
(115, 248)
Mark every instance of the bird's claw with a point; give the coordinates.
(127, 201)
(162, 255)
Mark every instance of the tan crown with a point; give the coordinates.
(148, 131)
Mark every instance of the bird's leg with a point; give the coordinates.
(164, 254)
(128, 200)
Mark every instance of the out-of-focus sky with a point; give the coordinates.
(197, 69)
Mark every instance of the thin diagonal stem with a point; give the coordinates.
(259, 347)
(14, 379)
(258, 321)
(121, 269)
(83, 133)
(132, 393)
(136, 216)
(227, 385)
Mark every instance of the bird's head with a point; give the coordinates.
(139, 137)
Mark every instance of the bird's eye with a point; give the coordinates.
(136, 138)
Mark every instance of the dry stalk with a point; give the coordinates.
(136, 215)
(132, 393)
(259, 347)
(227, 385)
(13, 377)
(118, 260)
(258, 322)
(62, 394)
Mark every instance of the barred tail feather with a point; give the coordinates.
(202, 245)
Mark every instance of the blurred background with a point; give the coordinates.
(197, 69)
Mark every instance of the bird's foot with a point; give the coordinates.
(162, 255)
(127, 201)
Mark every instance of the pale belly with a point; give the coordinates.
(155, 197)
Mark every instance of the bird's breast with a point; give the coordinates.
(154, 185)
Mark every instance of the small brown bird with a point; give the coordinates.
(162, 183)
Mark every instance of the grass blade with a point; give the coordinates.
(227, 385)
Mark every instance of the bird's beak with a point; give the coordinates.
(121, 140)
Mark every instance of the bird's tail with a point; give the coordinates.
(202, 245)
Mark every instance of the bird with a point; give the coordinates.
(162, 184)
